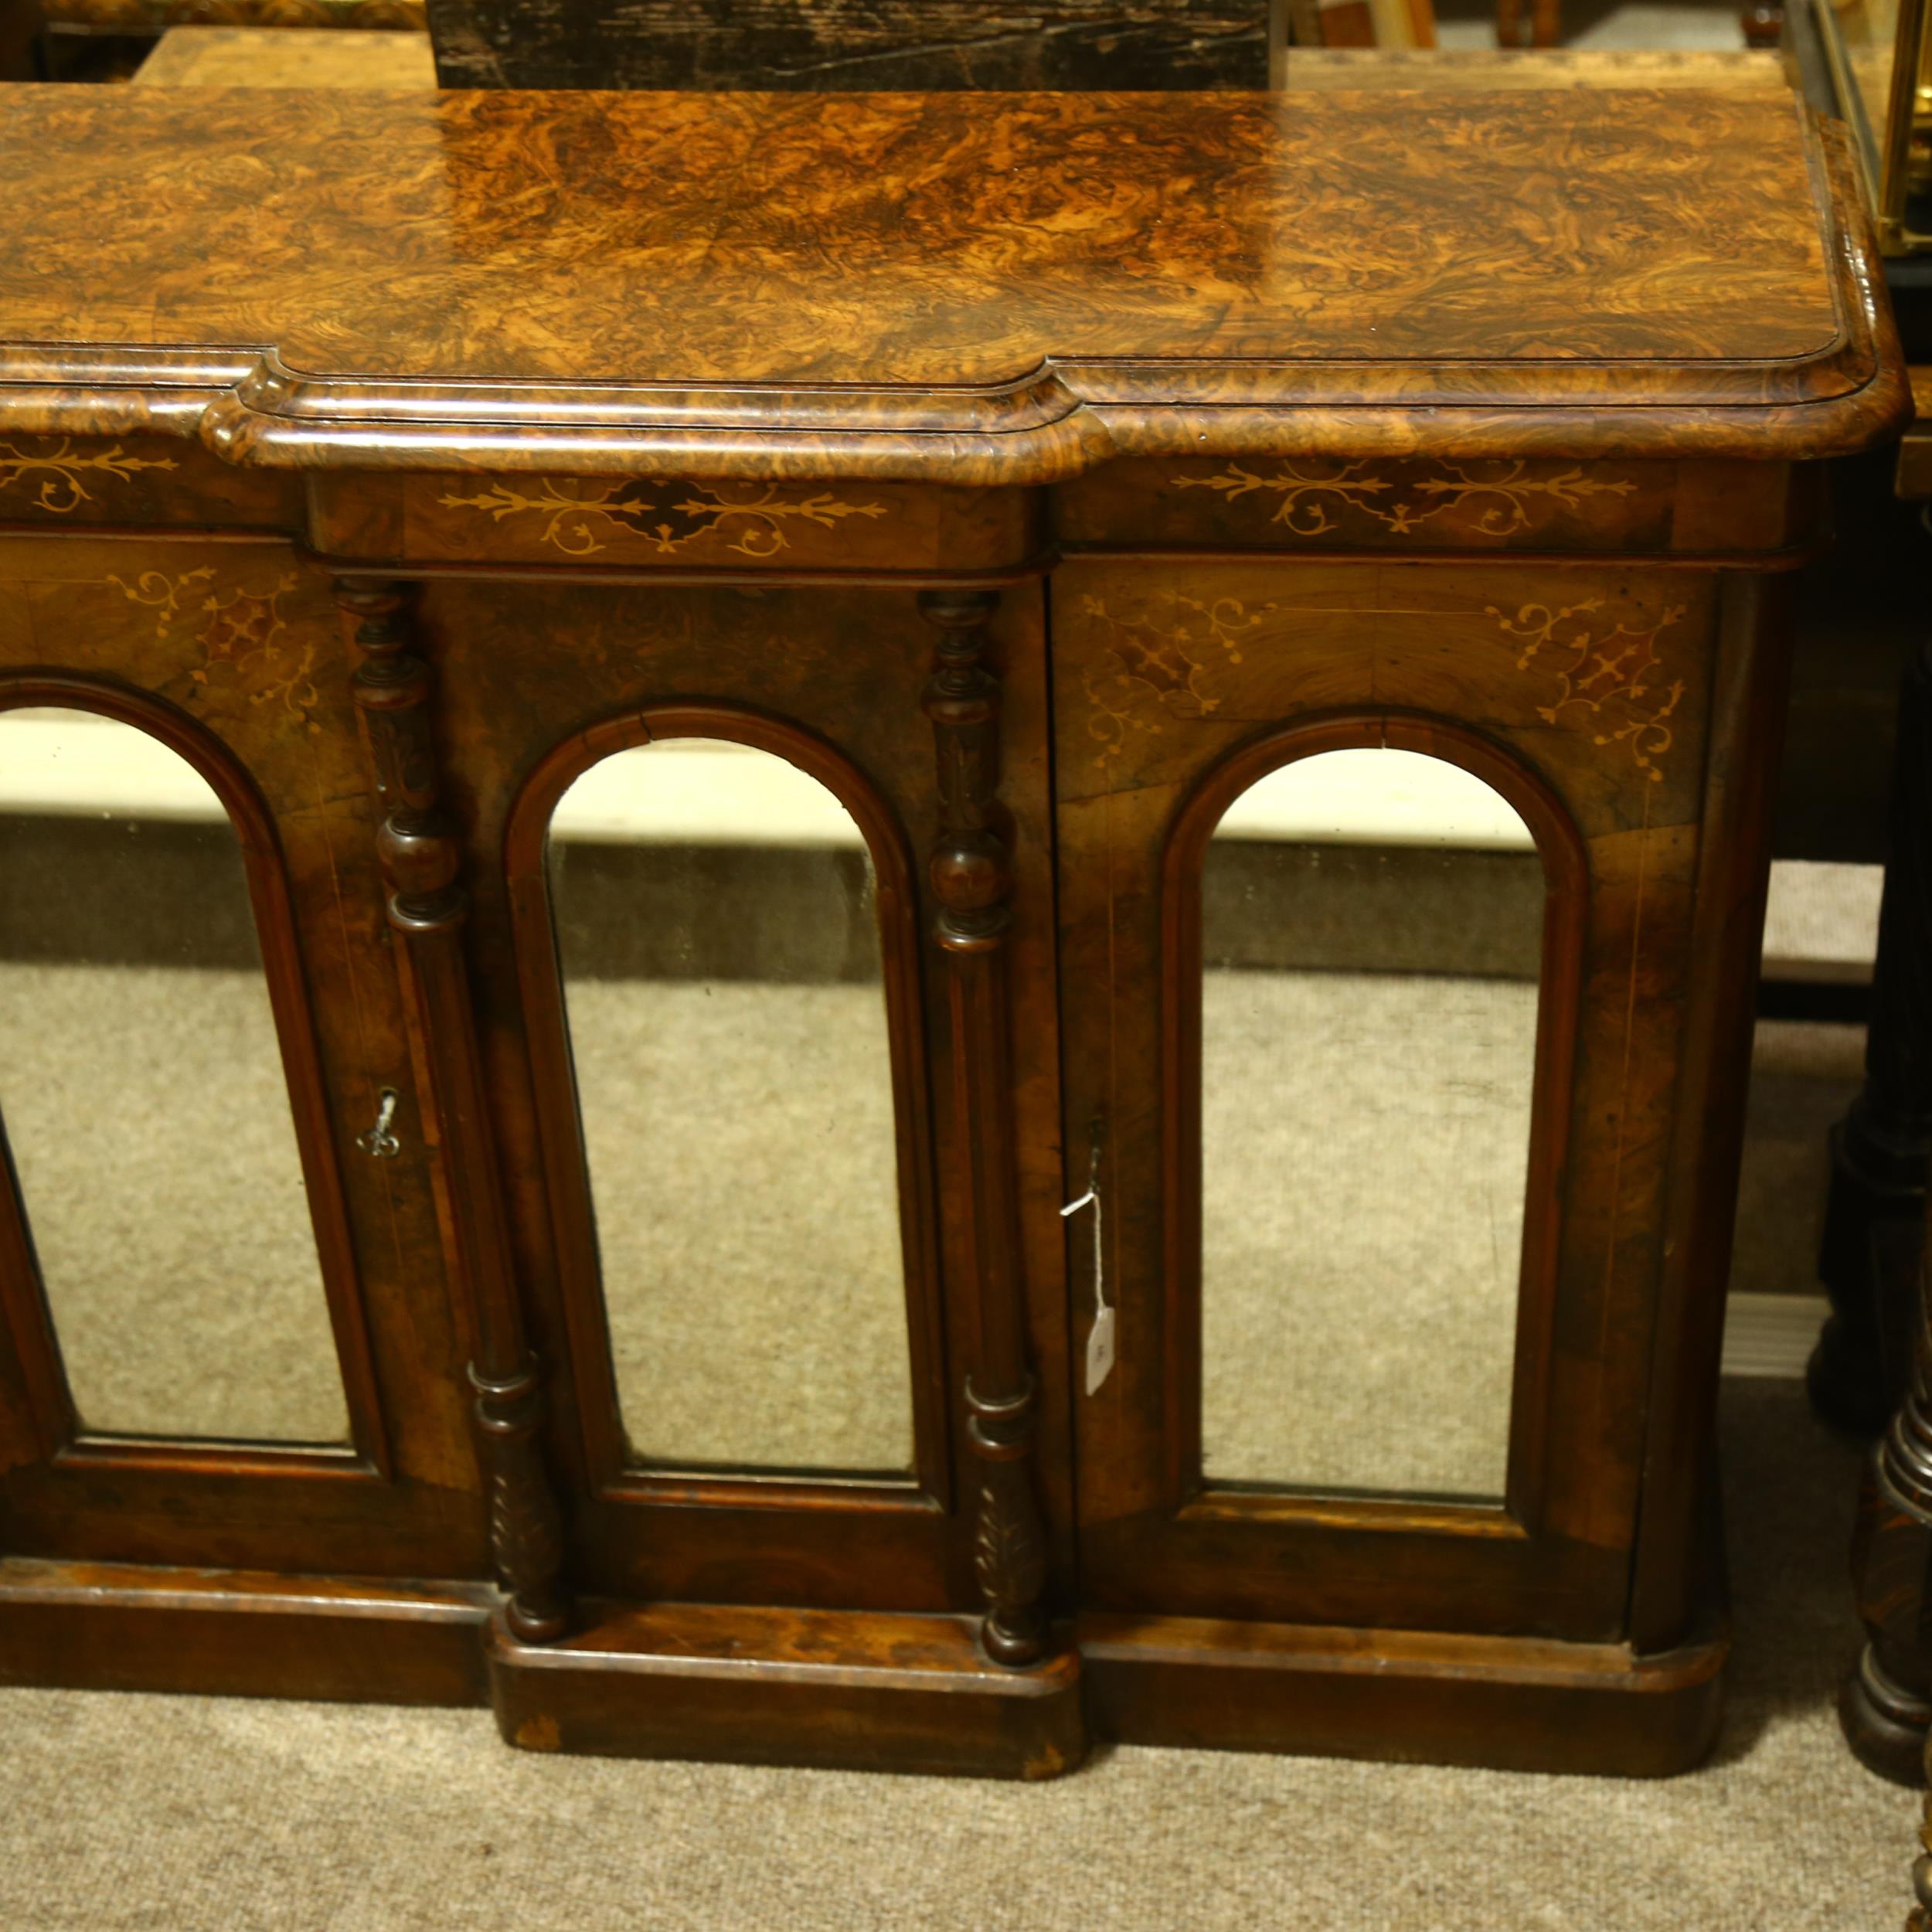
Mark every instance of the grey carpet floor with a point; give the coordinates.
(136, 1813)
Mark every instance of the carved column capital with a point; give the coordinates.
(971, 876)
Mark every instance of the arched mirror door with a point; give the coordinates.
(1371, 947)
(1333, 1172)
(167, 1223)
(738, 1188)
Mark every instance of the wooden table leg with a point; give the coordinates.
(1886, 1707)
(1920, 1919)
(1875, 1214)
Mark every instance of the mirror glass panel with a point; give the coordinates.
(145, 1102)
(718, 934)
(1371, 940)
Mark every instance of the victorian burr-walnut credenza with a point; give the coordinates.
(1030, 477)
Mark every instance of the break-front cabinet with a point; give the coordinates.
(970, 971)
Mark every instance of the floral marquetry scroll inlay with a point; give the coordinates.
(1166, 652)
(1499, 495)
(244, 638)
(56, 474)
(161, 593)
(668, 516)
(247, 634)
(1611, 678)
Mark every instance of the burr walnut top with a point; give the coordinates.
(1005, 288)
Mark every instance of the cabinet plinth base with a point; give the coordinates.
(223, 1633)
(1502, 1703)
(857, 1690)
(864, 1690)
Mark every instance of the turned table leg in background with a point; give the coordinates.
(1875, 1355)
(1875, 1213)
(1886, 1705)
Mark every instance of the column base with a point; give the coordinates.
(1885, 1724)
(850, 1690)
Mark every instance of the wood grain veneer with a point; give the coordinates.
(796, 285)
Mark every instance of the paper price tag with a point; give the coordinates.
(1100, 1336)
(1100, 1350)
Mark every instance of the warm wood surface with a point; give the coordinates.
(289, 57)
(1018, 283)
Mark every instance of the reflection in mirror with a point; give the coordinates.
(1886, 106)
(719, 940)
(1371, 934)
(144, 1103)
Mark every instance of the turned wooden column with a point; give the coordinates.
(1875, 1213)
(972, 879)
(421, 858)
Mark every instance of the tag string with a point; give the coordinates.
(1092, 1198)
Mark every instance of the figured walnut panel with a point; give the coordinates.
(673, 522)
(922, 285)
(66, 481)
(1499, 503)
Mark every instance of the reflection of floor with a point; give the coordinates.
(148, 1120)
(1362, 1149)
(742, 1158)
(1364, 1160)
(1361, 1210)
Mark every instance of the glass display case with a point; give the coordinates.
(1876, 51)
